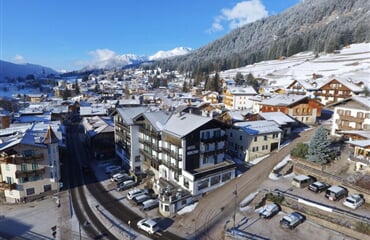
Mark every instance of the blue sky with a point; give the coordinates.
(68, 34)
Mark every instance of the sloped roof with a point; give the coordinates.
(183, 124)
(258, 127)
(278, 117)
(157, 119)
(129, 113)
(50, 137)
(283, 99)
(242, 90)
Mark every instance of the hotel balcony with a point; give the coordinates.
(172, 153)
(153, 134)
(31, 173)
(18, 159)
(214, 139)
(351, 118)
(7, 186)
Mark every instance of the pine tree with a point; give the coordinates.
(318, 148)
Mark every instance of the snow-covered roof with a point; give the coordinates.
(129, 113)
(242, 90)
(258, 127)
(283, 99)
(362, 100)
(360, 143)
(184, 123)
(279, 117)
(157, 119)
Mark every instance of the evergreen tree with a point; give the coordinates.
(238, 78)
(185, 87)
(318, 148)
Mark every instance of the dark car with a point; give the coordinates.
(318, 187)
(292, 220)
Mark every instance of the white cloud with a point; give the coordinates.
(242, 13)
(102, 54)
(19, 59)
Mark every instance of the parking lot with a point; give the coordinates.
(248, 219)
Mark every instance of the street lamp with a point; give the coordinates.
(235, 197)
(129, 231)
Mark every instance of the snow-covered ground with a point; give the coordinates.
(352, 62)
(188, 208)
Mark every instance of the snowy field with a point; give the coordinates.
(352, 62)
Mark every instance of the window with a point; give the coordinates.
(215, 180)
(28, 153)
(240, 138)
(47, 188)
(226, 177)
(255, 138)
(203, 184)
(23, 167)
(186, 182)
(265, 137)
(231, 134)
(9, 180)
(7, 167)
(30, 191)
(35, 166)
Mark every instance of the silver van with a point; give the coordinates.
(150, 204)
(140, 199)
(134, 192)
(302, 181)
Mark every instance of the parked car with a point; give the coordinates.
(292, 220)
(125, 185)
(335, 193)
(318, 187)
(150, 204)
(269, 210)
(110, 168)
(141, 198)
(121, 177)
(302, 181)
(354, 201)
(148, 225)
(134, 192)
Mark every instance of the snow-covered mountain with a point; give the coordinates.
(116, 61)
(171, 53)
(13, 70)
(107, 59)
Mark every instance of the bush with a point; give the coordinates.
(275, 198)
(300, 151)
(363, 227)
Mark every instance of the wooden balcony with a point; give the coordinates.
(351, 119)
(18, 159)
(153, 134)
(31, 173)
(7, 186)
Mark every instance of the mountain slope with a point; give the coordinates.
(12, 70)
(316, 25)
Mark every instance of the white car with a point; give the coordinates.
(354, 201)
(269, 210)
(148, 225)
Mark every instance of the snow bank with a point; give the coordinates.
(257, 160)
(188, 208)
(248, 199)
(283, 162)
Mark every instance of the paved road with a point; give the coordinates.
(207, 220)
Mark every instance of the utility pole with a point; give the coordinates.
(235, 197)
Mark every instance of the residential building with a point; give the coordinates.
(351, 114)
(29, 163)
(328, 91)
(285, 122)
(150, 137)
(237, 98)
(193, 150)
(300, 107)
(250, 140)
(126, 137)
(99, 136)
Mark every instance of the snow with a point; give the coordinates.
(257, 160)
(188, 208)
(282, 163)
(248, 199)
(352, 62)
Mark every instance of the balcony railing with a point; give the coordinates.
(31, 173)
(147, 132)
(359, 158)
(214, 139)
(7, 186)
(18, 159)
(351, 118)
